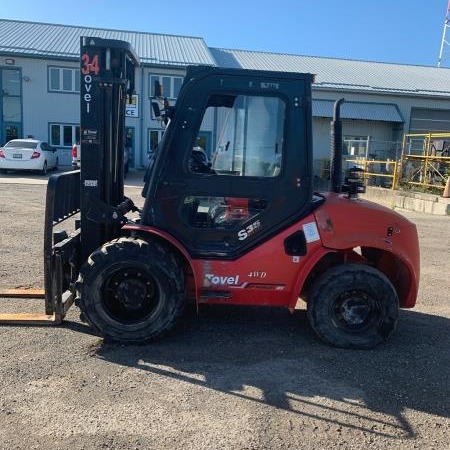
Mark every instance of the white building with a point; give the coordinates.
(39, 89)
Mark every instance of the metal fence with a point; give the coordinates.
(420, 162)
(379, 159)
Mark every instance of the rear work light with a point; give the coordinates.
(2, 155)
(35, 155)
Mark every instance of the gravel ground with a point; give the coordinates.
(230, 378)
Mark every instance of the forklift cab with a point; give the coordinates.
(257, 179)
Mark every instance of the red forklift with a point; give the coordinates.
(237, 223)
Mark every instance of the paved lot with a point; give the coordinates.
(231, 378)
(134, 178)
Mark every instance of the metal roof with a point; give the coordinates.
(345, 74)
(63, 41)
(384, 112)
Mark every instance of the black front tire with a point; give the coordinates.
(131, 290)
(353, 306)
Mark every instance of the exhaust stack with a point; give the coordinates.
(336, 147)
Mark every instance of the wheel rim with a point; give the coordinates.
(355, 310)
(130, 295)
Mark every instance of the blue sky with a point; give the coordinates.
(399, 31)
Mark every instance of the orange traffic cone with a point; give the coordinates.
(446, 193)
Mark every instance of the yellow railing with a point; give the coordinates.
(370, 166)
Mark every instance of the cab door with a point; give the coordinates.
(257, 180)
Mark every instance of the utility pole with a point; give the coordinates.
(445, 44)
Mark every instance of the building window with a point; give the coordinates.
(154, 136)
(63, 79)
(170, 85)
(355, 145)
(10, 104)
(64, 135)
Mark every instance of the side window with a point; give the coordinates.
(248, 136)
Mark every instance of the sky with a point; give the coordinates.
(397, 31)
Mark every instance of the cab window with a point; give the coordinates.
(247, 136)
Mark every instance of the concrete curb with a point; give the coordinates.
(412, 201)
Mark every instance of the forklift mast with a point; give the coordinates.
(107, 78)
(96, 191)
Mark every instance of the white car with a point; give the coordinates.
(28, 154)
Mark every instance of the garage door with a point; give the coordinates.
(430, 120)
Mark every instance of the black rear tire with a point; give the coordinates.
(131, 290)
(353, 306)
